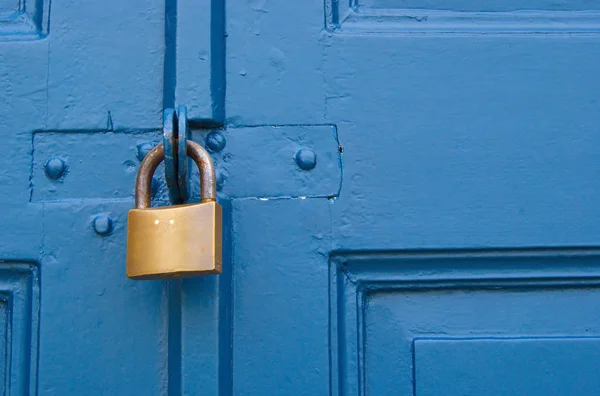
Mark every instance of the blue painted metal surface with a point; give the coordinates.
(409, 188)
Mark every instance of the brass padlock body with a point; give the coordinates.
(175, 241)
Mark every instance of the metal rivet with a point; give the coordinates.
(55, 168)
(143, 149)
(306, 159)
(103, 225)
(215, 141)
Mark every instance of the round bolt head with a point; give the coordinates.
(103, 225)
(55, 168)
(306, 159)
(215, 141)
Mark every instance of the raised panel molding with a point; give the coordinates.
(384, 303)
(462, 17)
(19, 325)
(24, 19)
(481, 6)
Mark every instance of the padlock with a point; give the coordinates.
(174, 241)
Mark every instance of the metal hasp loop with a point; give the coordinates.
(175, 133)
(182, 161)
(208, 185)
(170, 154)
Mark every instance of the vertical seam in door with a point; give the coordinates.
(340, 153)
(174, 349)
(218, 62)
(47, 84)
(32, 166)
(414, 368)
(170, 58)
(330, 263)
(226, 328)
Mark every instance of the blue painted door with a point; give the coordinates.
(458, 254)
(409, 192)
(70, 321)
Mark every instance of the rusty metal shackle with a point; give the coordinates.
(143, 181)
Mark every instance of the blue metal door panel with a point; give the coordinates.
(443, 240)
(462, 246)
(72, 324)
